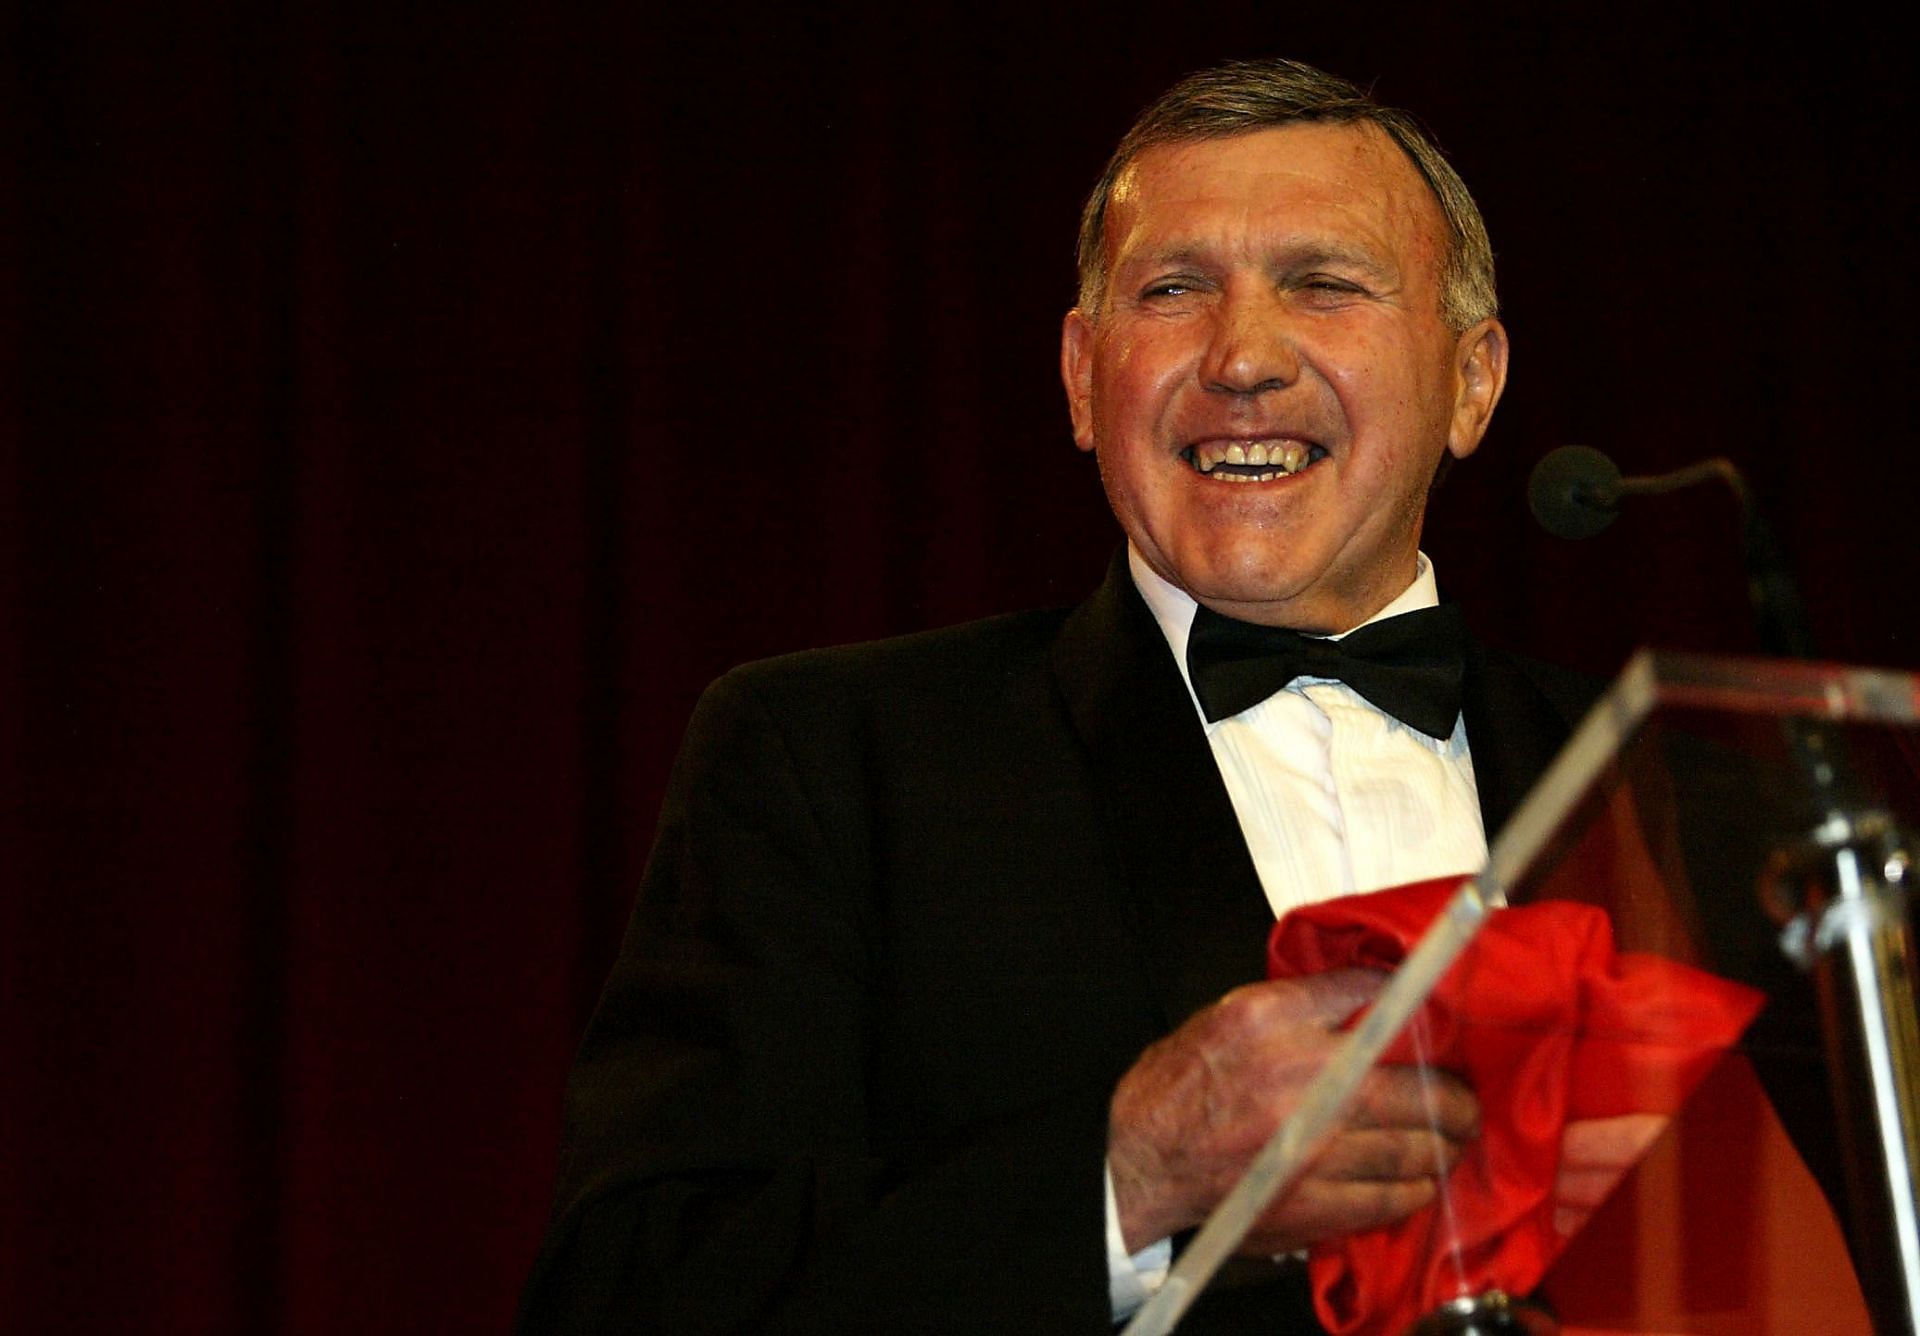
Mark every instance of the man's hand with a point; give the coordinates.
(1595, 1154)
(1190, 1115)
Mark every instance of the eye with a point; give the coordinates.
(1330, 283)
(1174, 286)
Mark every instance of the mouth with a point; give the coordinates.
(1252, 461)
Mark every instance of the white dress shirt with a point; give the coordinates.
(1334, 797)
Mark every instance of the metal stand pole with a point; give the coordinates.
(1855, 932)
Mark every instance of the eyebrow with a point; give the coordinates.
(1307, 253)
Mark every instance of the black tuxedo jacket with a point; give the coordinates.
(914, 908)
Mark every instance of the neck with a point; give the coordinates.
(1337, 614)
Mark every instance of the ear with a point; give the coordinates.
(1076, 374)
(1480, 374)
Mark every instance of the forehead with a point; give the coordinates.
(1345, 184)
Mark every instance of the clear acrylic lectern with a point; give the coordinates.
(1749, 821)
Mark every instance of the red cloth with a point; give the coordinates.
(1547, 1023)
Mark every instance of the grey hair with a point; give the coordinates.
(1243, 96)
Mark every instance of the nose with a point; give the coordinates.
(1252, 348)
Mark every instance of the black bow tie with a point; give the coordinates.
(1410, 666)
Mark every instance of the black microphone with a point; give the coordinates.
(1575, 492)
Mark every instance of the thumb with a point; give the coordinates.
(1331, 999)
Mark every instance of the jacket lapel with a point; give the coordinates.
(1200, 915)
(1513, 729)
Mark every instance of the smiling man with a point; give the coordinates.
(941, 1008)
(1286, 324)
(1264, 362)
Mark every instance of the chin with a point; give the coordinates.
(1246, 597)
(1293, 595)
(1246, 575)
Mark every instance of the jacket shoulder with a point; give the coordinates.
(980, 654)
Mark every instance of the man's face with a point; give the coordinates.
(1277, 292)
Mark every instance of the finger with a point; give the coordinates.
(1615, 1143)
(1320, 1209)
(1584, 1188)
(1577, 1194)
(1374, 1155)
(1414, 1097)
(1595, 1154)
(1570, 1220)
(1332, 998)
(1316, 1002)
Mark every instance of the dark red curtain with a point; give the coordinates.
(407, 410)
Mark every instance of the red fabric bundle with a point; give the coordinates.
(1547, 1023)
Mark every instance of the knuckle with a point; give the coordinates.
(1247, 1013)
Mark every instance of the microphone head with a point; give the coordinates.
(1574, 492)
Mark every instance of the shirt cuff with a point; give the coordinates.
(1131, 1281)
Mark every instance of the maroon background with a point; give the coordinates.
(405, 415)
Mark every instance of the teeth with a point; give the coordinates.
(1279, 458)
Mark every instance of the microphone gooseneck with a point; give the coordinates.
(1575, 492)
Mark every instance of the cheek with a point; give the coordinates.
(1138, 373)
(1385, 386)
